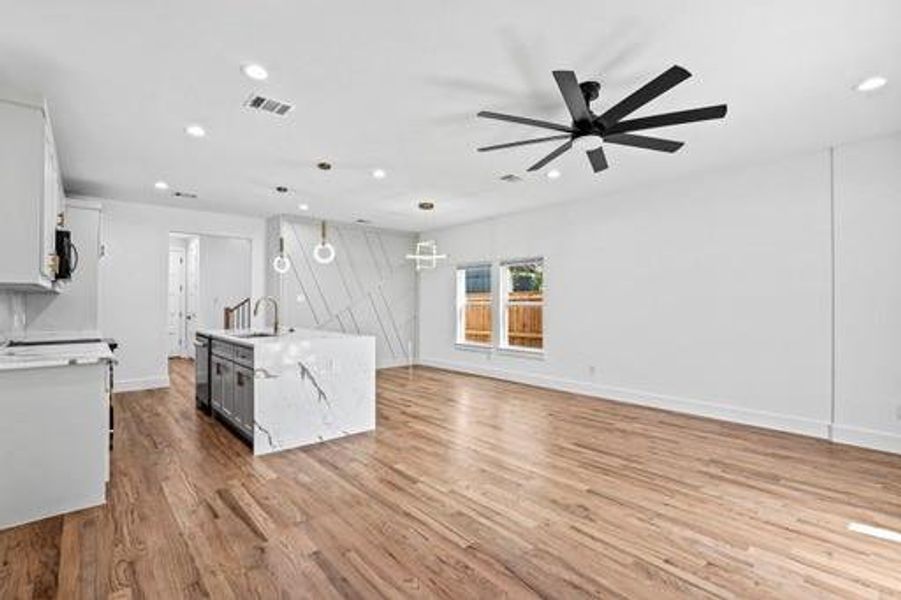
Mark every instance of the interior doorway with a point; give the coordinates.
(207, 275)
(183, 296)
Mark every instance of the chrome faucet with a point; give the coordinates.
(256, 309)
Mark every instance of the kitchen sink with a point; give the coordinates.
(255, 334)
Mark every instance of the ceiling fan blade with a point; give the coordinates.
(657, 86)
(560, 150)
(524, 142)
(674, 118)
(642, 141)
(572, 95)
(487, 114)
(598, 159)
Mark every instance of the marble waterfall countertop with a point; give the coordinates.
(54, 355)
(309, 385)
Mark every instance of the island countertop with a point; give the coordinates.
(307, 385)
(256, 337)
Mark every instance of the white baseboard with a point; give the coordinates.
(867, 438)
(392, 363)
(137, 385)
(724, 412)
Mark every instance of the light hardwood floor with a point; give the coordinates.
(469, 488)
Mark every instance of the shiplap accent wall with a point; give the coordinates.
(369, 289)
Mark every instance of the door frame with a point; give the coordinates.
(181, 349)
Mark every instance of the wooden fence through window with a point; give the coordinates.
(524, 321)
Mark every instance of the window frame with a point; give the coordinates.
(460, 307)
(504, 304)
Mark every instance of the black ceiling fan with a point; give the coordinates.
(609, 126)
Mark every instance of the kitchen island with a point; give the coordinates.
(289, 390)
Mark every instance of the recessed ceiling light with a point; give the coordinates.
(161, 185)
(303, 207)
(379, 174)
(553, 174)
(254, 71)
(871, 84)
(195, 131)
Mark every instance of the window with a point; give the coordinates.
(522, 305)
(474, 322)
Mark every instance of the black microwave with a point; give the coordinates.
(66, 254)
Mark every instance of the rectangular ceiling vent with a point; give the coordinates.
(269, 105)
(511, 178)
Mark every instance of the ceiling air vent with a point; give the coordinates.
(511, 178)
(268, 105)
(184, 195)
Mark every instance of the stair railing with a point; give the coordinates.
(238, 316)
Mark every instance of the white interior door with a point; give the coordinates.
(176, 322)
(192, 300)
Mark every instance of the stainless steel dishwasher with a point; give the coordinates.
(202, 373)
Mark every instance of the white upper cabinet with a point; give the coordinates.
(31, 197)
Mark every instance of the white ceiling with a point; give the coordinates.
(396, 85)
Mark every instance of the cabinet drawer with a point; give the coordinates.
(223, 349)
(244, 356)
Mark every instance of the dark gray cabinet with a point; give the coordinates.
(231, 386)
(243, 406)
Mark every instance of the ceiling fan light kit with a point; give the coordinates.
(588, 130)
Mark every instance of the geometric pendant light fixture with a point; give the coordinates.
(426, 255)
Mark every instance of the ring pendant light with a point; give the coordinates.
(324, 252)
(281, 263)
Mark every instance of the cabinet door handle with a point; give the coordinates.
(218, 368)
(241, 379)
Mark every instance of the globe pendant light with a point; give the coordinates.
(324, 252)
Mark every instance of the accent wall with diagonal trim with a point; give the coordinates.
(369, 289)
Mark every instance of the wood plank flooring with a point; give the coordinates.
(470, 488)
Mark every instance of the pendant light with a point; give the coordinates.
(426, 255)
(324, 252)
(281, 263)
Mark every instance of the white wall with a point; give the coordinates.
(714, 295)
(868, 293)
(709, 295)
(134, 279)
(369, 289)
(225, 276)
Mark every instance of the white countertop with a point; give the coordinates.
(239, 336)
(54, 355)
